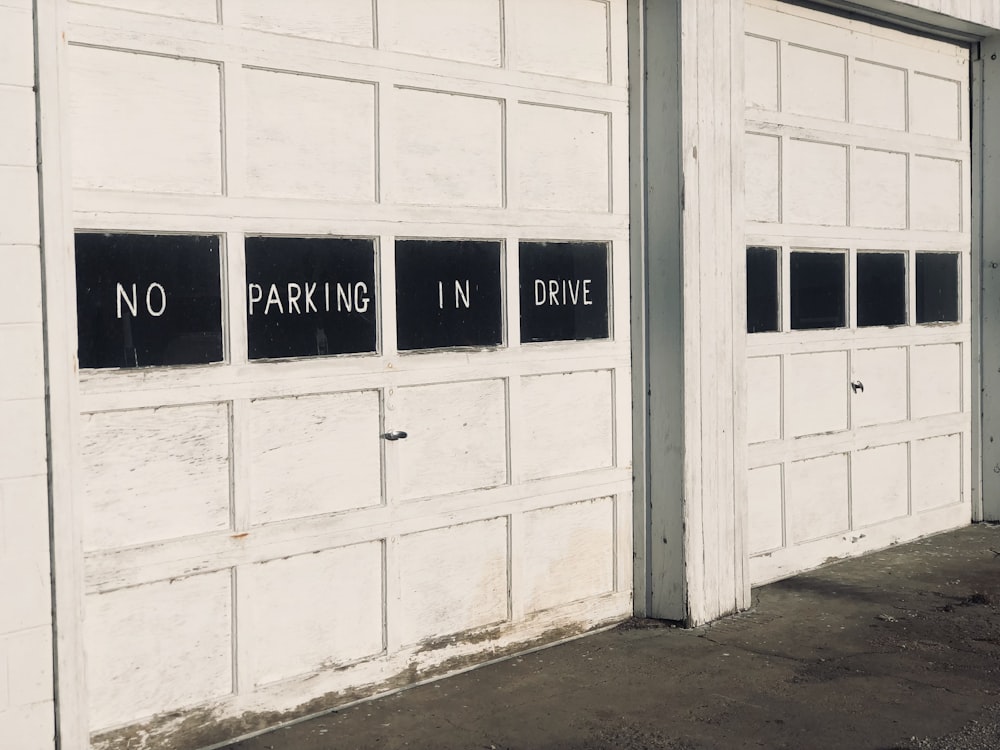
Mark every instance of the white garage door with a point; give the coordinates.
(304, 229)
(858, 266)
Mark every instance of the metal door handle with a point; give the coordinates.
(394, 435)
(857, 386)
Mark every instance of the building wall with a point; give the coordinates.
(26, 701)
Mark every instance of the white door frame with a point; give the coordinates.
(688, 292)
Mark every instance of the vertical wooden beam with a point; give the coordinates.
(688, 317)
(62, 411)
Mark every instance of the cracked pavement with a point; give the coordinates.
(898, 650)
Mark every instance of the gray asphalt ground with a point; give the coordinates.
(899, 650)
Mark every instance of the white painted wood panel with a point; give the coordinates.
(815, 184)
(17, 147)
(343, 21)
(20, 285)
(568, 423)
(883, 374)
(816, 393)
(582, 54)
(305, 613)
(158, 647)
(23, 443)
(19, 195)
(457, 437)
(452, 579)
(154, 474)
(935, 106)
(309, 137)
(193, 10)
(17, 48)
(764, 414)
(936, 464)
(762, 177)
(817, 501)
(765, 498)
(564, 158)
(464, 30)
(761, 71)
(445, 149)
(878, 182)
(144, 122)
(313, 454)
(936, 379)
(936, 194)
(568, 552)
(878, 95)
(814, 82)
(880, 486)
(22, 369)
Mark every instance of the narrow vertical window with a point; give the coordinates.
(763, 309)
(817, 282)
(937, 288)
(881, 284)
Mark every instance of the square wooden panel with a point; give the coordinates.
(816, 393)
(882, 373)
(314, 455)
(935, 380)
(880, 485)
(158, 647)
(816, 499)
(564, 157)
(937, 472)
(20, 285)
(309, 137)
(582, 54)
(153, 474)
(765, 509)
(446, 149)
(568, 423)
(761, 72)
(878, 184)
(457, 437)
(567, 553)
(935, 106)
(192, 10)
(935, 194)
(343, 21)
(878, 95)
(815, 189)
(815, 83)
(763, 399)
(19, 194)
(23, 446)
(452, 579)
(17, 50)
(17, 147)
(762, 178)
(311, 612)
(144, 122)
(464, 30)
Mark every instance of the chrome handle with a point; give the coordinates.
(394, 435)
(857, 386)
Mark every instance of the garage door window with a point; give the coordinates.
(763, 306)
(881, 279)
(817, 285)
(937, 288)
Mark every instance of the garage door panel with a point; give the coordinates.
(935, 106)
(761, 72)
(766, 509)
(343, 21)
(762, 177)
(466, 30)
(817, 500)
(194, 10)
(816, 393)
(936, 380)
(878, 95)
(883, 374)
(937, 472)
(936, 194)
(879, 182)
(764, 410)
(582, 55)
(815, 83)
(815, 189)
(879, 485)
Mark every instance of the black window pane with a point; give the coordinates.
(564, 291)
(448, 294)
(762, 289)
(937, 288)
(309, 297)
(881, 289)
(147, 300)
(817, 290)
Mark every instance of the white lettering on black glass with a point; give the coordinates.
(148, 300)
(564, 291)
(310, 296)
(448, 294)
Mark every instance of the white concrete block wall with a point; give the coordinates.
(26, 700)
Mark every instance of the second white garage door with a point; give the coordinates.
(858, 263)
